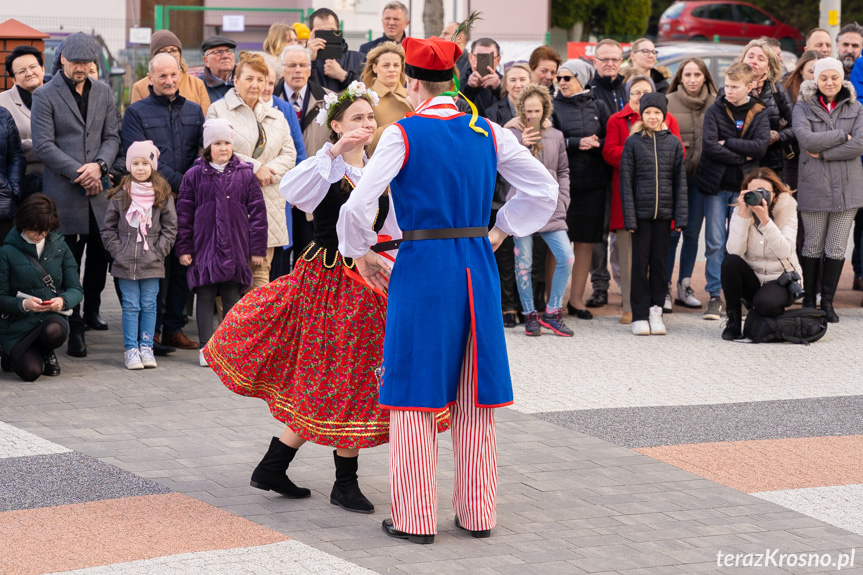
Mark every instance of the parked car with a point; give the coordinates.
(731, 21)
(717, 57)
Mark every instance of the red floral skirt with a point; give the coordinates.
(309, 344)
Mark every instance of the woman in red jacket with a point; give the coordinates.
(619, 127)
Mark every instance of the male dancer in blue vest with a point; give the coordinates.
(444, 346)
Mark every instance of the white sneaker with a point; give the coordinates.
(685, 295)
(655, 321)
(147, 357)
(818, 300)
(133, 359)
(201, 359)
(640, 327)
(667, 307)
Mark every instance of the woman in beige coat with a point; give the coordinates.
(262, 138)
(385, 74)
(762, 245)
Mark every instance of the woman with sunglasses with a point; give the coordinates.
(642, 61)
(582, 119)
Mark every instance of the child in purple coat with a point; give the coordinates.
(222, 226)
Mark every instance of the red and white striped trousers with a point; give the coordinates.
(413, 461)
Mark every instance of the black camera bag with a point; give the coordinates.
(803, 325)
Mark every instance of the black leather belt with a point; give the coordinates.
(444, 234)
(386, 246)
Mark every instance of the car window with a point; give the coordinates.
(722, 12)
(749, 15)
(674, 10)
(722, 64)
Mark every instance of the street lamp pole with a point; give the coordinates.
(831, 16)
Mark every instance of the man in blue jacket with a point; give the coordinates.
(175, 125)
(395, 20)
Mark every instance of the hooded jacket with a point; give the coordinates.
(553, 157)
(221, 222)
(653, 179)
(130, 260)
(832, 182)
(18, 274)
(741, 152)
(13, 164)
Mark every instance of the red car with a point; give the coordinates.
(736, 22)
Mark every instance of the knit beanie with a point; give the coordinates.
(143, 149)
(654, 100)
(161, 39)
(217, 129)
(824, 64)
(582, 71)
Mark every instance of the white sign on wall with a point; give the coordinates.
(140, 35)
(234, 23)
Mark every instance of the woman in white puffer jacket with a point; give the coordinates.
(762, 241)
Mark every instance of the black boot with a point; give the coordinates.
(346, 490)
(810, 279)
(829, 282)
(77, 346)
(50, 365)
(270, 474)
(5, 363)
(733, 329)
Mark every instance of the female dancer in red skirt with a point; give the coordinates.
(309, 343)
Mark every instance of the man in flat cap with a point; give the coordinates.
(219, 64)
(191, 87)
(75, 135)
(444, 347)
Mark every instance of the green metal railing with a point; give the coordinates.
(163, 13)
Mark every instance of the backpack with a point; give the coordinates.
(803, 325)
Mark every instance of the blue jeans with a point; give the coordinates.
(139, 311)
(689, 251)
(558, 243)
(717, 212)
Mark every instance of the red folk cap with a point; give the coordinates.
(431, 60)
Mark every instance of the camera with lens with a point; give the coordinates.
(754, 197)
(791, 280)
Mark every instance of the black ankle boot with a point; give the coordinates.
(346, 490)
(733, 324)
(50, 365)
(270, 474)
(829, 283)
(810, 278)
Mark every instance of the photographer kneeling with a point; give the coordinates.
(762, 239)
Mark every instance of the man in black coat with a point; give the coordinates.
(482, 86)
(175, 125)
(607, 86)
(335, 75)
(395, 20)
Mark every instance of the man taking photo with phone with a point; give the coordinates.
(337, 72)
(483, 84)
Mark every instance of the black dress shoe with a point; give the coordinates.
(77, 346)
(95, 321)
(50, 366)
(479, 534)
(510, 319)
(579, 313)
(598, 299)
(162, 350)
(388, 528)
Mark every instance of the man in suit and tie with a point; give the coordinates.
(306, 98)
(69, 111)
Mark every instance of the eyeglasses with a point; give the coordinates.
(170, 50)
(638, 94)
(301, 65)
(564, 78)
(608, 60)
(30, 68)
(647, 52)
(221, 52)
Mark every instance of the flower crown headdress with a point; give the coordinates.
(354, 91)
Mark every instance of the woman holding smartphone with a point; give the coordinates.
(38, 282)
(548, 146)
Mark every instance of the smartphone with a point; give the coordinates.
(483, 63)
(333, 49)
(47, 302)
(535, 124)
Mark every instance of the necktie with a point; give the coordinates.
(296, 104)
